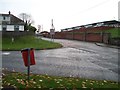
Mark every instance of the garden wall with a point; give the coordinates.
(91, 34)
(15, 33)
(90, 37)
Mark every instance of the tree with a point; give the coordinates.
(32, 28)
(27, 20)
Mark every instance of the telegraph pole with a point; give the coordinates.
(52, 31)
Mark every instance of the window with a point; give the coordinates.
(4, 18)
(16, 28)
(4, 28)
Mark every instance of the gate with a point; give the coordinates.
(106, 38)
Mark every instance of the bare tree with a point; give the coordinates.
(26, 18)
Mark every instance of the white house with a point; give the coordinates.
(9, 22)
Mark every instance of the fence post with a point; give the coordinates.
(28, 64)
(102, 35)
(109, 38)
(85, 36)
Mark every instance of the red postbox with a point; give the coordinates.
(28, 54)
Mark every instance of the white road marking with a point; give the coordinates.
(6, 53)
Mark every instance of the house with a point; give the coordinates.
(44, 33)
(9, 22)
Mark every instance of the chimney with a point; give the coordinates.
(10, 17)
(9, 12)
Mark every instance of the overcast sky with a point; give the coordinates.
(65, 13)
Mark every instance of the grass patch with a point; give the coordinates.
(18, 80)
(115, 32)
(27, 42)
(0, 43)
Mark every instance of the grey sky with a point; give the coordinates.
(65, 13)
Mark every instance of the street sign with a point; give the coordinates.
(52, 31)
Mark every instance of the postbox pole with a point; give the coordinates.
(28, 64)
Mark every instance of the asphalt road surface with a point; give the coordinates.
(75, 59)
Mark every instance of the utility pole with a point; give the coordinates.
(52, 31)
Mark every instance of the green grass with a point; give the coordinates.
(27, 42)
(0, 43)
(18, 80)
(115, 32)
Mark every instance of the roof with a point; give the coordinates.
(93, 24)
(44, 32)
(14, 20)
(111, 22)
(4, 14)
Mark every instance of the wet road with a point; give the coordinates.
(75, 59)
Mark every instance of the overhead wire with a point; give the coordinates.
(95, 6)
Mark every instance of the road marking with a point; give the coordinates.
(6, 53)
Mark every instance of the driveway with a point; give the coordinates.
(75, 59)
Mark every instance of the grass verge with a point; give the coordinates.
(115, 32)
(27, 42)
(18, 80)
